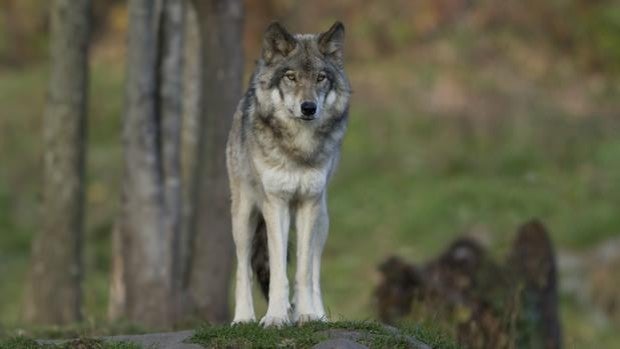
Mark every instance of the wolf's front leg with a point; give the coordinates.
(277, 218)
(308, 213)
(320, 236)
(244, 227)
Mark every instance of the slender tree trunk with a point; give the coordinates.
(172, 38)
(190, 134)
(146, 265)
(141, 240)
(221, 29)
(54, 293)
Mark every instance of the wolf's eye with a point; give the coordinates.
(290, 76)
(320, 77)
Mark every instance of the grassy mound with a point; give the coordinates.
(371, 334)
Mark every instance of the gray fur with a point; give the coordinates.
(279, 162)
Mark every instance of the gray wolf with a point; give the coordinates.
(282, 149)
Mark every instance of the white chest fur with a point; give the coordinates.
(294, 181)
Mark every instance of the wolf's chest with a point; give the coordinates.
(294, 182)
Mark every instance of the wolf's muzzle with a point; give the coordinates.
(308, 108)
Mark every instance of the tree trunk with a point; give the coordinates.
(221, 29)
(172, 38)
(140, 243)
(54, 293)
(146, 269)
(190, 134)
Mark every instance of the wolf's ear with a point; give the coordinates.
(277, 43)
(331, 43)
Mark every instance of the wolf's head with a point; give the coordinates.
(301, 77)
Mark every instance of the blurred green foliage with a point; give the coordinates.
(588, 30)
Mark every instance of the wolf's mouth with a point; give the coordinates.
(307, 118)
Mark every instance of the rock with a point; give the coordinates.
(603, 278)
(166, 340)
(339, 338)
(339, 343)
(591, 277)
(335, 333)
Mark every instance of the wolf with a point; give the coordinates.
(283, 147)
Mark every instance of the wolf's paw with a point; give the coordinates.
(275, 321)
(243, 320)
(305, 318)
(322, 316)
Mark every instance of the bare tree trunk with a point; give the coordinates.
(190, 134)
(54, 293)
(118, 290)
(146, 267)
(221, 29)
(141, 240)
(171, 110)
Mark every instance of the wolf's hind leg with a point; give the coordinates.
(244, 221)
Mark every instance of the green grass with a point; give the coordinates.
(82, 343)
(429, 333)
(372, 334)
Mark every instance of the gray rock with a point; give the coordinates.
(347, 337)
(165, 340)
(339, 343)
(336, 333)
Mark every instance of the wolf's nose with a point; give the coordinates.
(308, 108)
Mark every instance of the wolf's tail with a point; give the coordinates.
(260, 257)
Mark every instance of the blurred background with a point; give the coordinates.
(468, 117)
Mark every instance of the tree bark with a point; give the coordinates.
(221, 29)
(54, 292)
(171, 110)
(190, 134)
(146, 269)
(140, 243)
